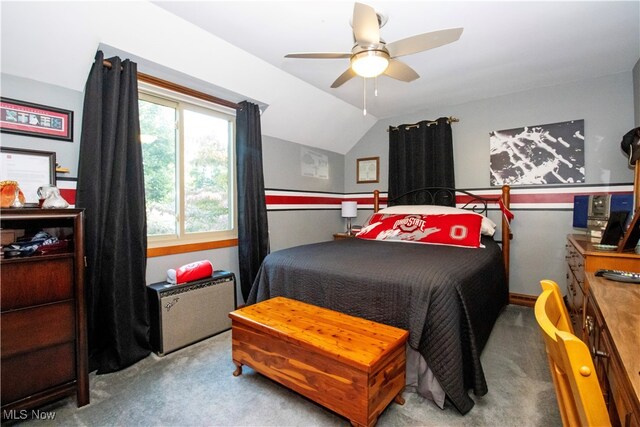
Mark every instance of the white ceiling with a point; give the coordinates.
(506, 47)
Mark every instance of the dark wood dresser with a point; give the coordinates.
(43, 344)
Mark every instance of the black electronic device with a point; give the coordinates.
(615, 228)
(619, 275)
(592, 211)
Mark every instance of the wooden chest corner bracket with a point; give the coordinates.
(349, 365)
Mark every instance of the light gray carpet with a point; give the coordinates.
(195, 386)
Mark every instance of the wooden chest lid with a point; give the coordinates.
(357, 342)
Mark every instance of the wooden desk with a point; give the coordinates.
(613, 319)
(582, 257)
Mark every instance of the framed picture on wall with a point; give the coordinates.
(26, 118)
(549, 154)
(368, 170)
(30, 168)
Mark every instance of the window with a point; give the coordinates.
(187, 150)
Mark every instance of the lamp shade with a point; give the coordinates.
(370, 63)
(349, 209)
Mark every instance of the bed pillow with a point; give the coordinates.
(441, 229)
(488, 226)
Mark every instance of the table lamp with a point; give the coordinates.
(349, 210)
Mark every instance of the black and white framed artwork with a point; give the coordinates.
(541, 154)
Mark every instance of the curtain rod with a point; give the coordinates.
(179, 88)
(429, 123)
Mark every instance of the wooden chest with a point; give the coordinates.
(352, 366)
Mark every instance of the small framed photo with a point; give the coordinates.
(368, 170)
(26, 118)
(30, 168)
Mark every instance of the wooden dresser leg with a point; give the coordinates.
(399, 399)
(238, 370)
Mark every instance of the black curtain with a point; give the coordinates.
(253, 227)
(111, 190)
(421, 156)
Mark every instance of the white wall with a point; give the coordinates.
(607, 106)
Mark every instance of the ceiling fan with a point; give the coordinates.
(371, 56)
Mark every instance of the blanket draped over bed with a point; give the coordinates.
(447, 297)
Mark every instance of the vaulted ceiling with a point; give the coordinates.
(238, 48)
(506, 46)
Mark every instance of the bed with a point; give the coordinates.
(447, 296)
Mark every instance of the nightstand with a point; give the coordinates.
(338, 236)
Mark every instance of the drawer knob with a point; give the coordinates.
(585, 371)
(589, 324)
(600, 353)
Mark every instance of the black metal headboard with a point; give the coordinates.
(444, 196)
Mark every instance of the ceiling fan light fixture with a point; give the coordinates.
(370, 63)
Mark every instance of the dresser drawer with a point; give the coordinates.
(575, 263)
(33, 281)
(35, 328)
(43, 331)
(54, 366)
(620, 403)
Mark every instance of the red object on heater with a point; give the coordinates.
(193, 271)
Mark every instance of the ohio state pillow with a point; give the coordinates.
(444, 229)
(488, 226)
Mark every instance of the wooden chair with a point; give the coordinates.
(574, 377)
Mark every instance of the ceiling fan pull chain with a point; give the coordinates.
(375, 86)
(364, 96)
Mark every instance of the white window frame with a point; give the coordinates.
(178, 100)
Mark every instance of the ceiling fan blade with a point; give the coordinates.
(365, 25)
(400, 71)
(423, 42)
(344, 77)
(319, 55)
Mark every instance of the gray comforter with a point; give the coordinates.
(447, 297)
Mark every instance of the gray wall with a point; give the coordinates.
(636, 92)
(607, 106)
(53, 96)
(282, 170)
(67, 155)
